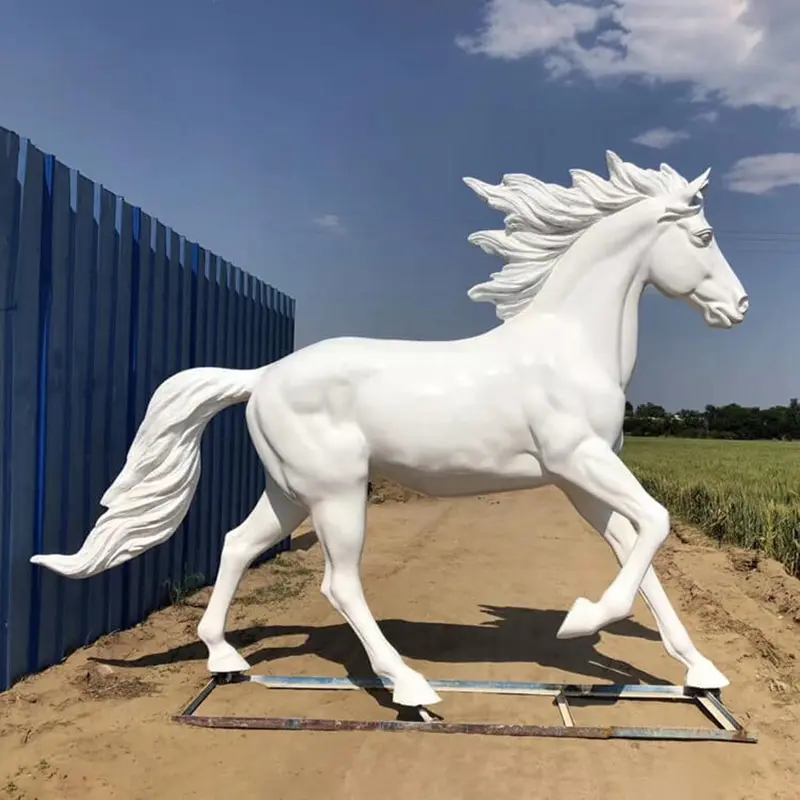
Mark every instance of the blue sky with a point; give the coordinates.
(321, 146)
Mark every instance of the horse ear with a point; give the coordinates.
(698, 184)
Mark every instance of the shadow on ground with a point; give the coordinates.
(304, 541)
(519, 635)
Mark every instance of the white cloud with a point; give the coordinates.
(660, 138)
(735, 52)
(517, 28)
(707, 116)
(761, 174)
(330, 222)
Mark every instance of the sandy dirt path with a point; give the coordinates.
(471, 589)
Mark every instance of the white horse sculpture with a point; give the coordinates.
(537, 400)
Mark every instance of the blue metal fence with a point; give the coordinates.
(99, 303)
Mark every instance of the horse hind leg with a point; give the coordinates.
(340, 523)
(273, 518)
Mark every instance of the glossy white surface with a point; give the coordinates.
(537, 400)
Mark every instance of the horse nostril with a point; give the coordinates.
(744, 304)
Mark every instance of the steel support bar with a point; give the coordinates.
(483, 728)
(564, 710)
(729, 729)
(599, 691)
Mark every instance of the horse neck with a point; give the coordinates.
(598, 283)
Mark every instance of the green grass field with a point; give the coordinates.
(741, 493)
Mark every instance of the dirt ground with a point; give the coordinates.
(470, 589)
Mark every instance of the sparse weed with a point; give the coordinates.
(179, 593)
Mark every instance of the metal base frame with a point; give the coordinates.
(709, 702)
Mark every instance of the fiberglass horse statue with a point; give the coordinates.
(537, 400)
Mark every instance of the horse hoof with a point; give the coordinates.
(224, 659)
(582, 620)
(411, 689)
(704, 675)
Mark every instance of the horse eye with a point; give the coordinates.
(705, 237)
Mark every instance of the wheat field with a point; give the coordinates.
(741, 493)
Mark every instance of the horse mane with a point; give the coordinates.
(543, 220)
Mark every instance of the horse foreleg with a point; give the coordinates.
(621, 537)
(273, 518)
(589, 463)
(340, 523)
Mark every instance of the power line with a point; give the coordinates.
(738, 232)
(785, 243)
(764, 251)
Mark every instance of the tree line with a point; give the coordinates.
(731, 421)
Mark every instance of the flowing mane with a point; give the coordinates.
(543, 220)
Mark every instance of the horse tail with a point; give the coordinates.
(151, 495)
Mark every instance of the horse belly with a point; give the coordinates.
(446, 458)
(524, 473)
